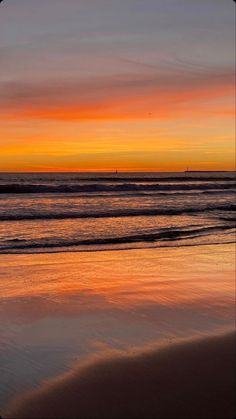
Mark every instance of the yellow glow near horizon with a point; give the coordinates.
(108, 145)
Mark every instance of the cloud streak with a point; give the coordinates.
(132, 96)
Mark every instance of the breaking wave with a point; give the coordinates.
(161, 236)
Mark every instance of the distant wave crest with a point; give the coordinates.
(116, 213)
(121, 187)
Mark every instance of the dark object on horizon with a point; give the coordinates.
(206, 171)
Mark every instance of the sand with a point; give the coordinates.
(188, 379)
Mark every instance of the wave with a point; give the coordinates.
(160, 236)
(228, 219)
(95, 187)
(118, 213)
(148, 212)
(156, 179)
(117, 178)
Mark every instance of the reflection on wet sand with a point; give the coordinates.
(186, 380)
(163, 276)
(60, 308)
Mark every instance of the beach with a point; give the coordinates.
(189, 379)
(88, 311)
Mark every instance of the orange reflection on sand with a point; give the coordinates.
(167, 277)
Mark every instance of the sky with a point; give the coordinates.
(143, 85)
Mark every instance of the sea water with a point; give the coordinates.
(54, 212)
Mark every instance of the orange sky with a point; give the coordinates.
(107, 92)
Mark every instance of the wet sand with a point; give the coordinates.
(59, 310)
(188, 379)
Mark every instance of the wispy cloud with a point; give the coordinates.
(118, 97)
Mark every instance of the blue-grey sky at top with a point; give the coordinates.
(41, 38)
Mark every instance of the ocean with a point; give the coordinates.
(64, 212)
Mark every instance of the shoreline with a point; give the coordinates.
(116, 249)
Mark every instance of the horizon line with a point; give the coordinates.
(120, 171)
